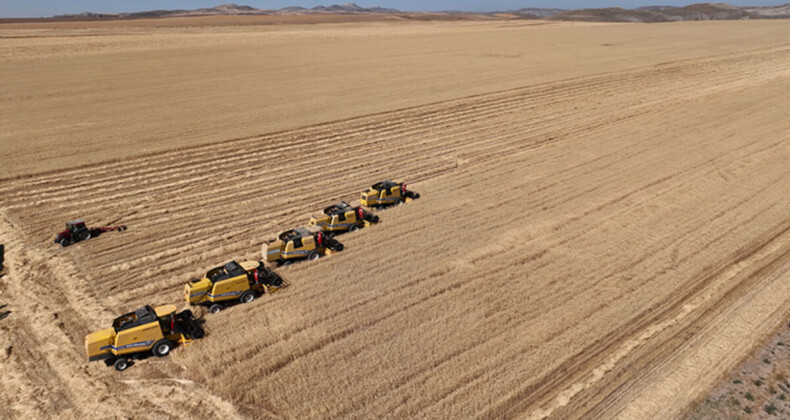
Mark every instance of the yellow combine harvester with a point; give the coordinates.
(299, 244)
(230, 283)
(387, 193)
(147, 329)
(343, 217)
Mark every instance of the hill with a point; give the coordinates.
(700, 11)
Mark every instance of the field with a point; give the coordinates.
(604, 228)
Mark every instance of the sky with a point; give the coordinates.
(47, 8)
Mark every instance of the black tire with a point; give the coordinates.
(85, 235)
(415, 195)
(375, 219)
(215, 308)
(162, 347)
(339, 247)
(121, 364)
(65, 242)
(353, 228)
(247, 296)
(286, 263)
(313, 255)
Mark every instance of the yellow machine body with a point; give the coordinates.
(134, 332)
(220, 284)
(384, 193)
(340, 217)
(230, 281)
(294, 244)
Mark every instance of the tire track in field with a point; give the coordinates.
(406, 119)
(494, 271)
(92, 203)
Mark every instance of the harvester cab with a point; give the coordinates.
(387, 193)
(232, 282)
(298, 244)
(343, 217)
(148, 329)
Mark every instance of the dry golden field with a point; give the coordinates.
(604, 228)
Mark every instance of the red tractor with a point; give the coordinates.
(77, 231)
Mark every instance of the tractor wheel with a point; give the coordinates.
(247, 296)
(286, 263)
(353, 228)
(162, 347)
(121, 364)
(313, 255)
(85, 235)
(215, 308)
(338, 247)
(375, 219)
(65, 242)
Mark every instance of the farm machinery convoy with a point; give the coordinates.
(156, 331)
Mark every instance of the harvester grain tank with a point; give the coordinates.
(299, 244)
(343, 217)
(387, 193)
(146, 330)
(232, 282)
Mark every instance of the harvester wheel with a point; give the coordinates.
(247, 296)
(338, 247)
(353, 228)
(121, 364)
(286, 263)
(65, 242)
(375, 219)
(162, 347)
(215, 308)
(313, 255)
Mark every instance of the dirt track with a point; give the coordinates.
(599, 246)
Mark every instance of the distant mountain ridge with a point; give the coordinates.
(700, 11)
(235, 9)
